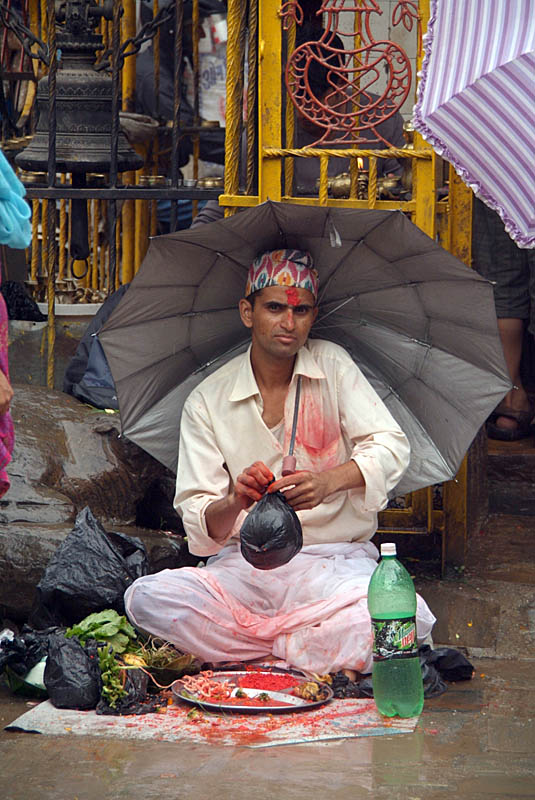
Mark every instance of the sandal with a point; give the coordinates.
(523, 424)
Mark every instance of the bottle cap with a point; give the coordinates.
(388, 549)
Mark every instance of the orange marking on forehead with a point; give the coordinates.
(292, 296)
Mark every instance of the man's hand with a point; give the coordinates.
(303, 489)
(252, 483)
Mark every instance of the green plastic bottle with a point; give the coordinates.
(396, 674)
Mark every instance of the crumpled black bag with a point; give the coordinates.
(72, 673)
(135, 701)
(24, 651)
(89, 572)
(438, 666)
(451, 664)
(271, 535)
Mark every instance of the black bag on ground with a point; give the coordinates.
(450, 663)
(135, 701)
(438, 666)
(24, 651)
(72, 673)
(89, 572)
(271, 534)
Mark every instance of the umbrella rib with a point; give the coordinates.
(321, 330)
(203, 246)
(187, 349)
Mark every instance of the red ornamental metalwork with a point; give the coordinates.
(345, 107)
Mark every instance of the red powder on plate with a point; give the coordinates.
(268, 682)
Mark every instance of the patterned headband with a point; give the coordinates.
(282, 268)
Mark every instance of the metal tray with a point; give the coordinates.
(281, 701)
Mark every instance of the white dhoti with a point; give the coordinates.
(311, 613)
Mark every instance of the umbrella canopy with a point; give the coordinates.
(419, 323)
(476, 102)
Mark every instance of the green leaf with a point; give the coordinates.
(119, 642)
(100, 618)
(106, 630)
(127, 628)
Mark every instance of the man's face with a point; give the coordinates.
(280, 320)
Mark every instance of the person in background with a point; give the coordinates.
(512, 270)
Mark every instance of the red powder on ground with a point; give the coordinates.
(292, 296)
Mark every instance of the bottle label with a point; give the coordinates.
(394, 638)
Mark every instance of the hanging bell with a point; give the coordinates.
(83, 103)
(83, 112)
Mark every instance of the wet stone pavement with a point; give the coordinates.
(475, 741)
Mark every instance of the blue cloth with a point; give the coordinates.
(184, 213)
(15, 213)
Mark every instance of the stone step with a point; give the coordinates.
(489, 610)
(511, 476)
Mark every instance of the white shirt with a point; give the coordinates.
(341, 417)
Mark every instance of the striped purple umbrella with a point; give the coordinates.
(476, 102)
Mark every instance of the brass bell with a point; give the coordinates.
(83, 112)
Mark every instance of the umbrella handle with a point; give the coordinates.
(288, 465)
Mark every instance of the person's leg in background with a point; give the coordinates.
(512, 336)
(497, 257)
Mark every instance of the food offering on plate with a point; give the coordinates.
(252, 690)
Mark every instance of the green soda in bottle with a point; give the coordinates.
(396, 674)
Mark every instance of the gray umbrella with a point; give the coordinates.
(419, 323)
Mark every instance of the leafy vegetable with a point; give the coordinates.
(112, 677)
(105, 626)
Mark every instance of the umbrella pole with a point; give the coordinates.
(288, 462)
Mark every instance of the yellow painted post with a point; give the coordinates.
(95, 217)
(423, 170)
(128, 29)
(456, 494)
(289, 165)
(34, 265)
(234, 102)
(269, 99)
(62, 255)
(460, 202)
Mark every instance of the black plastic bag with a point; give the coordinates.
(72, 673)
(89, 572)
(271, 534)
(438, 666)
(24, 651)
(135, 701)
(450, 663)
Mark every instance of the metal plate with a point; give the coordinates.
(280, 701)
